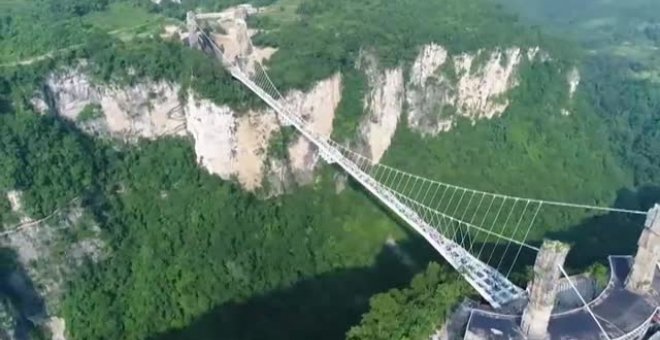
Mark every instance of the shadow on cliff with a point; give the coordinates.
(322, 307)
(17, 289)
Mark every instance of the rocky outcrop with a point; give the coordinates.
(227, 143)
(49, 250)
(472, 85)
(148, 110)
(235, 37)
(573, 81)
(439, 90)
(318, 107)
(383, 104)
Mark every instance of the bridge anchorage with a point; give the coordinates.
(482, 235)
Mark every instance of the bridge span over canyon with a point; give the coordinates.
(482, 235)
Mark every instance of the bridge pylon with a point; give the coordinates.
(648, 254)
(543, 289)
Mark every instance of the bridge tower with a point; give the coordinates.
(648, 254)
(543, 290)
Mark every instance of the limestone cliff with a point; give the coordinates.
(227, 143)
(429, 95)
(48, 251)
(383, 105)
(472, 85)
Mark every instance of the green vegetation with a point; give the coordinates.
(218, 251)
(90, 112)
(350, 109)
(6, 215)
(621, 29)
(178, 9)
(334, 33)
(121, 16)
(279, 144)
(600, 273)
(414, 312)
(530, 138)
(34, 28)
(204, 253)
(131, 62)
(44, 159)
(303, 265)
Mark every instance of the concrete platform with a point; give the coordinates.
(623, 314)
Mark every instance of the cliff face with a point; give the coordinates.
(49, 251)
(433, 92)
(443, 87)
(227, 143)
(383, 105)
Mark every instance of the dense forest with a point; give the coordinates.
(313, 263)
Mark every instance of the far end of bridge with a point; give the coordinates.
(562, 307)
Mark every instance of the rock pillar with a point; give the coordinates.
(648, 254)
(193, 39)
(543, 289)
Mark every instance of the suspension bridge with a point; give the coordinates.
(480, 234)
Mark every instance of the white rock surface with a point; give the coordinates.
(147, 110)
(383, 105)
(49, 256)
(227, 143)
(318, 108)
(57, 327)
(213, 129)
(441, 86)
(236, 40)
(573, 81)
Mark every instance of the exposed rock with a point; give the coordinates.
(171, 31)
(253, 136)
(383, 105)
(236, 39)
(469, 85)
(49, 256)
(36, 246)
(573, 81)
(231, 144)
(14, 198)
(57, 328)
(318, 108)
(158, 2)
(148, 110)
(532, 53)
(227, 143)
(214, 131)
(480, 88)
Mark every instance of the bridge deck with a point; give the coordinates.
(621, 312)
